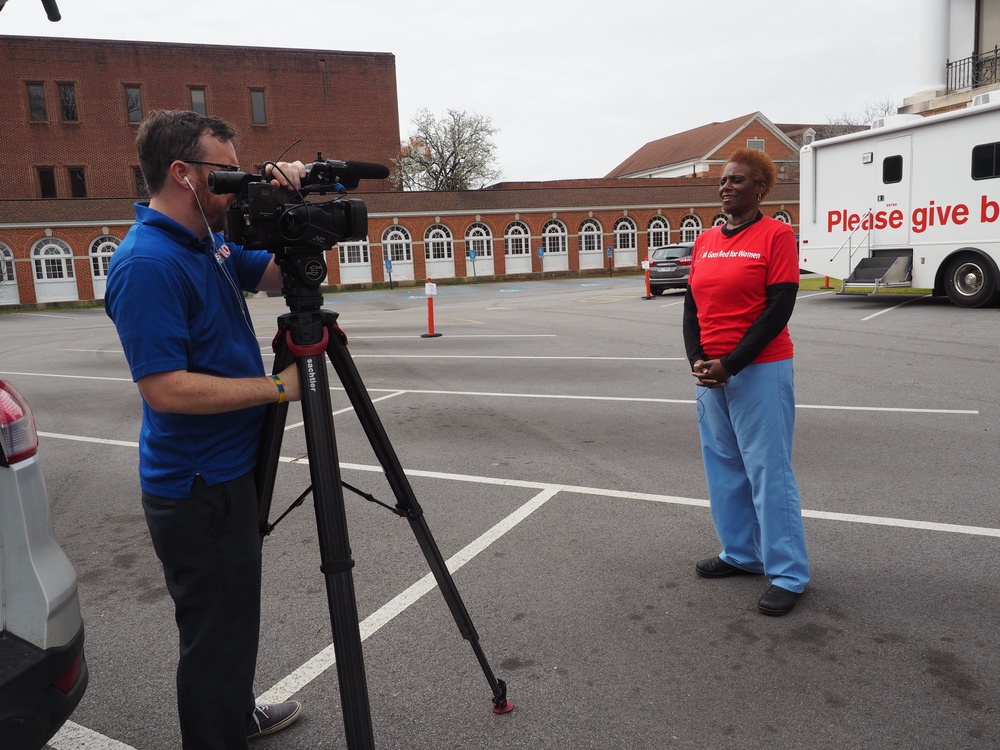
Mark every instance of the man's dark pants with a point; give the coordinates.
(210, 548)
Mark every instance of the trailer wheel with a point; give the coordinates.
(970, 281)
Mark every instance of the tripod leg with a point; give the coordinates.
(270, 444)
(407, 501)
(308, 342)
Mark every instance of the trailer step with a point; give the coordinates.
(879, 271)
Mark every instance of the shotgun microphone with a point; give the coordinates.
(51, 10)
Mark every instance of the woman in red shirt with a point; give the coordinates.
(741, 293)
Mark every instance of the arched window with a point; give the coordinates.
(719, 220)
(101, 251)
(659, 232)
(6, 265)
(438, 244)
(591, 236)
(517, 239)
(690, 228)
(354, 253)
(625, 234)
(783, 217)
(554, 237)
(52, 259)
(478, 237)
(396, 244)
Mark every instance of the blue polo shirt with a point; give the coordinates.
(178, 305)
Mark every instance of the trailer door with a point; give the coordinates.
(892, 191)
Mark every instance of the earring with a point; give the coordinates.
(759, 196)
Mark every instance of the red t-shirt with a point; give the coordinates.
(728, 280)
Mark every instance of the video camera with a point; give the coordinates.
(257, 221)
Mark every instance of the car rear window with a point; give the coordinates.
(662, 253)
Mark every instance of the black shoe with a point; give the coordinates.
(268, 718)
(716, 567)
(777, 601)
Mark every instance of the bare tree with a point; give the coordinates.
(851, 122)
(454, 153)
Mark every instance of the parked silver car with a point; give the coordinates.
(669, 267)
(43, 672)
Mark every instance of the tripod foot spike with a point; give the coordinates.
(501, 704)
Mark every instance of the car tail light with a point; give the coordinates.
(17, 425)
(65, 682)
(684, 261)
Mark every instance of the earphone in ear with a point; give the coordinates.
(189, 183)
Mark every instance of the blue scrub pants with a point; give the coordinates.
(746, 442)
(210, 548)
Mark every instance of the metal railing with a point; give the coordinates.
(973, 72)
(851, 249)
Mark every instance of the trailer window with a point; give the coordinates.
(984, 161)
(892, 169)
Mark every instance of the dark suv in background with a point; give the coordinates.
(669, 267)
(43, 673)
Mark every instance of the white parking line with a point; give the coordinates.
(72, 736)
(357, 337)
(326, 658)
(816, 294)
(513, 356)
(894, 307)
(643, 399)
(76, 737)
(564, 396)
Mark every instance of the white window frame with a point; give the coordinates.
(517, 239)
(555, 237)
(591, 236)
(719, 220)
(625, 234)
(658, 232)
(480, 238)
(52, 261)
(397, 244)
(438, 243)
(690, 228)
(354, 253)
(783, 216)
(100, 252)
(8, 275)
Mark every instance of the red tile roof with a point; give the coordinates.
(675, 149)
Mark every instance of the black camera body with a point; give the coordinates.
(257, 221)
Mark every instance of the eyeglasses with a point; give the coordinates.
(223, 167)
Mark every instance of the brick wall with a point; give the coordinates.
(340, 103)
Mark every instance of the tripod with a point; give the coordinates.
(306, 335)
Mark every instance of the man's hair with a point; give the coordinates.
(762, 168)
(166, 136)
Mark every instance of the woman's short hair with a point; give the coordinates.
(762, 168)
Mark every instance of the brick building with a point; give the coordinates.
(72, 108)
(703, 151)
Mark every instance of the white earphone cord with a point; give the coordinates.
(233, 285)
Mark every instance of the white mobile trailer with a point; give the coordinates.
(914, 201)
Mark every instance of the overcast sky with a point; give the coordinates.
(575, 86)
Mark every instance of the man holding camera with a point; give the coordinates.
(175, 293)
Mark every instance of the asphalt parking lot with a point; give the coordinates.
(551, 438)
